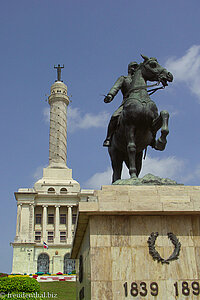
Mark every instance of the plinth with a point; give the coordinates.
(139, 242)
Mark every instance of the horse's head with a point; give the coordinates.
(152, 71)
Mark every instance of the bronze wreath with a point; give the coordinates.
(156, 256)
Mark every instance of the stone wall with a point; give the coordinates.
(119, 254)
(113, 233)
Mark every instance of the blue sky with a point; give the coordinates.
(95, 40)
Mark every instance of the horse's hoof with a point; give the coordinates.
(133, 176)
(160, 144)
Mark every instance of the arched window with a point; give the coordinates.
(43, 263)
(51, 190)
(63, 191)
(69, 264)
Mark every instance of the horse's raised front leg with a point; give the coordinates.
(131, 149)
(162, 141)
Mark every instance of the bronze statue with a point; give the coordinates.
(123, 83)
(139, 120)
(58, 72)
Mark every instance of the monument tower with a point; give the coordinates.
(46, 213)
(58, 101)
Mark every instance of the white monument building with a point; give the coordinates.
(46, 213)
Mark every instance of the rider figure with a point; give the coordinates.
(123, 83)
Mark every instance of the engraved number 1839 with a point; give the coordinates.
(141, 289)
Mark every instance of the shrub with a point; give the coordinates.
(3, 275)
(19, 284)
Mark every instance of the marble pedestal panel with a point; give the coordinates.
(111, 243)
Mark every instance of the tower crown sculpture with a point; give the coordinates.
(59, 71)
(58, 101)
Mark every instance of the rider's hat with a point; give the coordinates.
(132, 64)
(153, 58)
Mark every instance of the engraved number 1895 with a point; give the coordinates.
(185, 289)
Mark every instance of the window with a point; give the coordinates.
(62, 218)
(73, 218)
(50, 236)
(50, 218)
(51, 190)
(38, 236)
(69, 264)
(63, 191)
(43, 263)
(63, 236)
(38, 218)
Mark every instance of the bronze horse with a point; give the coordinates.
(139, 121)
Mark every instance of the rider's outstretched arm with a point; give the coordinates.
(114, 90)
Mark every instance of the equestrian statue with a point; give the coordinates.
(134, 125)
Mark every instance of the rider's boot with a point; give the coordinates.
(111, 129)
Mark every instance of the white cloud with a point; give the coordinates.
(169, 167)
(76, 120)
(186, 69)
(99, 179)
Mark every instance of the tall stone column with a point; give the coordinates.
(57, 217)
(44, 223)
(69, 224)
(31, 222)
(18, 221)
(58, 101)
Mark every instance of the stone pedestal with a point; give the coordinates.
(111, 243)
